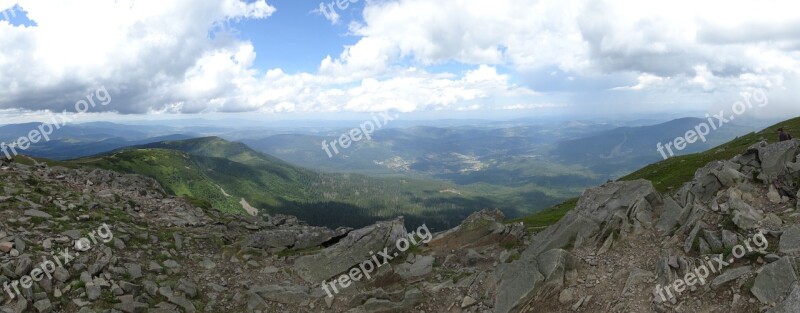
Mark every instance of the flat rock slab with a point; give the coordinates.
(792, 302)
(37, 213)
(774, 281)
(730, 275)
(790, 240)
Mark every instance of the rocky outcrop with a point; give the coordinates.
(614, 209)
(297, 237)
(482, 228)
(358, 246)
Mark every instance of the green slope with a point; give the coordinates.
(672, 173)
(202, 168)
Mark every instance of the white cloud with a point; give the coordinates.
(157, 56)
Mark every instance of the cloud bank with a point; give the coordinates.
(182, 56)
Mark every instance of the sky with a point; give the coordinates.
(470, 58)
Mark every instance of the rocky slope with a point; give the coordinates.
(622, 248)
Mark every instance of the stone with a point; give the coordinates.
(350, 251)
(713, 240)
(566, 296)
(670, 216)
(730, 275)
(184, 303)
(37, 213)
(773, 195)
(774, 158)
(792, 302)
(790, 240)
(482, 228)
(729, 239)
(93, 291)
(6, 247)
(636, 277)
(468, 302)
(689, 243)
(43, 306)
(774, 281)
(286, 294)
(744, 215)
(420, 266)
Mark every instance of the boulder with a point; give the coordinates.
(670, 216)
(713, 177)
(744, 215)
(292, 238)
(774, 158)
(357, 247)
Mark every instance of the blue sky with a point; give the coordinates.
(509, 58)
(295, 38)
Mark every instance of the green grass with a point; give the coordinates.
(546, 217)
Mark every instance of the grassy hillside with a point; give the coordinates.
(670, 174)
(674, 172)
(223, 173)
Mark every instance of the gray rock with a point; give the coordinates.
(352, 250)
(538, 266)
(188, 287)
(670, 216)
(774, 281)
(704, 248)
(771, 258)
(636, 277)
(790, 240)
(792, 302)
(208, 264)
(37, 213)
(93, 291)
(410, 299)
(689, 243)
(24, 265)
(729, 239)
(713, 240)
(43, 306)
(295, 237)
(19, 245)
(730, 275)
(521, 280)
(184, 303)
(468, 302)
(482, 228)
(255, 302)
(286, 294)
(775, 157)
(420, 266)
(73, 234)
(602, 205)
(744, 215)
